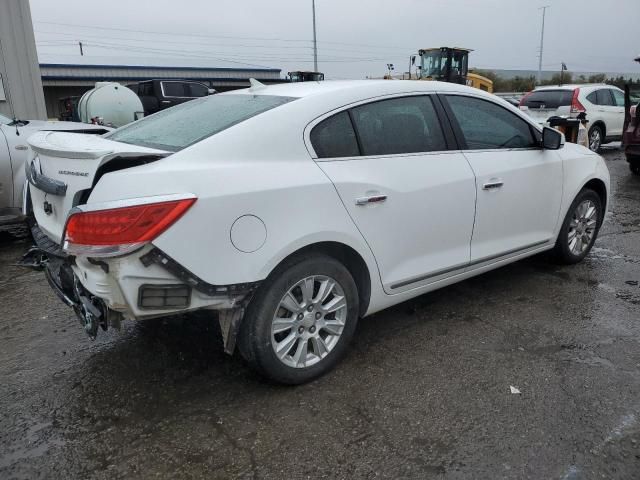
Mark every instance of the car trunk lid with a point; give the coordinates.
(63, 169)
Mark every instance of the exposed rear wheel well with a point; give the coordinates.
(348, 257)
(599, 187)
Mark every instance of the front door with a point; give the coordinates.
(411, 197)
(519, 184)
(617, 110)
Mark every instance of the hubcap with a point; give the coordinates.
(582, 227)
(595, 140)
(308, 321)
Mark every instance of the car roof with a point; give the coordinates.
(572, 86)
(358, 88)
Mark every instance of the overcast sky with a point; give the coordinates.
(356, 38)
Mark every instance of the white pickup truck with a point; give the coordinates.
(14, 152)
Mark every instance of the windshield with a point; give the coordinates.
(176, 128)
(5, 120)
(433, 64)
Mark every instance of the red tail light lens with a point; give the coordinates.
(523, 99)
(121, 228)
(576, 106)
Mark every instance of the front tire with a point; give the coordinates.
(300, 322)
(580, 228)
(596, 138)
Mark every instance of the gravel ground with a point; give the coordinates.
(424, 392)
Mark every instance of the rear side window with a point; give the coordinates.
(550, 99)
(486, 125)
(178, 127)
(334, 137)
(603, 97)
(399, 125)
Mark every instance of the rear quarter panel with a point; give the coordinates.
(257, 168)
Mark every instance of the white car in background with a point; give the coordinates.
(295, 209)
(603, 105)
(13, 154)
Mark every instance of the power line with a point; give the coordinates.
(205, 44)
(232, 37)
(195, 55)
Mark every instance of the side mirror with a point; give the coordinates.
(552, 139)
(211, 91)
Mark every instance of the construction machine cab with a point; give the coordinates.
(300, 76)
(444, 64)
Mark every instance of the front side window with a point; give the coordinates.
(178, 127)
(486, 125)
(618, 97)
(334, 137)
(399, 125)
(175, 89)
(198, 90)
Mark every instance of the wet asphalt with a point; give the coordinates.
(425, 391)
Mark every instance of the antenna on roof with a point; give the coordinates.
(256, 85)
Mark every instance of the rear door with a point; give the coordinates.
(410, 194)
(607, 111)
(519, 184)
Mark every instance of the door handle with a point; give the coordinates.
(21, 147)
(493, 185)
(371, 199)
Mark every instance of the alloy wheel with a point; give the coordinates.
(595, 140)
(309, 321)
(582, 227)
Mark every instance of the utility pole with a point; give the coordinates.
(81, 52)
(544, 11)
(315, 40)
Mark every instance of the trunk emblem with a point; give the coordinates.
(47, 207)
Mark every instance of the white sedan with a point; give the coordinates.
(14, 152)
(295, 209)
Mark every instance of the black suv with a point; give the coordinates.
(160, 94)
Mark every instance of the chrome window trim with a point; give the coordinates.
(310, 126)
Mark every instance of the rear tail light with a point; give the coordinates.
(116, 231)
(632, 111)
(576, 106)
(523, 99)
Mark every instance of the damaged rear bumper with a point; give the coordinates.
(144, 284)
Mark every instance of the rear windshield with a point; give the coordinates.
(178, 127)
(548, 99)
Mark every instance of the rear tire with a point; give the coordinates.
(580, 228)
(634, 164)
(288, 333)
(596, 138)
